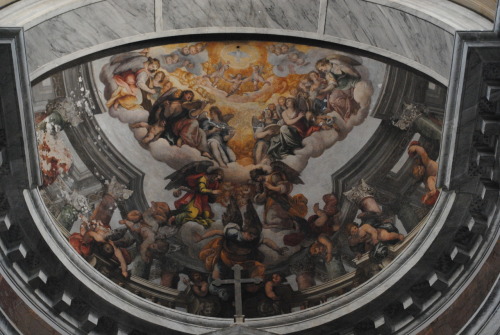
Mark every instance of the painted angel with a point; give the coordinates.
(237, 243)
(257, 77)
(218, 74)
(281, 210)
(200, 181)
(236, 82)
(218, 134)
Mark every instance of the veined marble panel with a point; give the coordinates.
(443, 13)
(87, 26)
(393, 30)
(29, 13)
(290, 15)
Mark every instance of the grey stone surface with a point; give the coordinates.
(393, 30)
(288, 15)
(87, 26)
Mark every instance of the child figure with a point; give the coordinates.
(154, 131)
(326, 220)
(369, 236)
(197, 283)
(161, 84)
(147, 237)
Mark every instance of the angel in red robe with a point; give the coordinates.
(200, 181)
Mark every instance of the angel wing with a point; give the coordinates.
(178, 178)
(227, 117)
(291, 174)
(232, 213)
(251, 216)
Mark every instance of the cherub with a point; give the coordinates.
(257, 78)
(424, 169)
(197, 283)
(369, 236)
(237, 81)
(97, 232)
(278, 296)
(275, 280)
(326, 220)
(322, 247)
(146, 231)
(154, 131)
(326, 265)
(160, 84)
(220, 69)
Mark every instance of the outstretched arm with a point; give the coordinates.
(197, 237)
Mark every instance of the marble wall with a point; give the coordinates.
(417, 33)
(297, 15)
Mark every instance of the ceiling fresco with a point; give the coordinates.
(178, 169)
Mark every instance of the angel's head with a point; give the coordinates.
(193, 50)
(258, 175)
(159, 247)
(152, 64)
(187, 95)
(317, 249)
(323, 65)
(169, 59)
(293, 57)
(277, 50)
(130, 79)
(215, 174)
(285, 48)
(281, 101)
(215, 113)
(351, 229)
(313, 75)
(159, 77)
(200, 47)
(290, 103)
